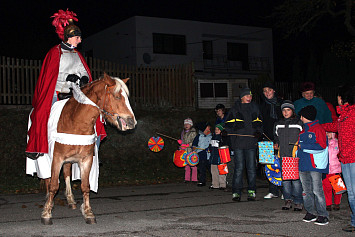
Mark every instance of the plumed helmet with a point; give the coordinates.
(64, 23)
(71, 30)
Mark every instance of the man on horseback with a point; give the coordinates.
(66, 134)
(62, 65)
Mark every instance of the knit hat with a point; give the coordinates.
(202, 126)
(220, 106)
(307, 86)
(220, 126)
(188, 121)
(309, 112)
(245, 91)
(287, 104)
(269, 84)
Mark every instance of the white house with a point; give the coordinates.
(225, 56)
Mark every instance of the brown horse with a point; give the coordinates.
(106, 96)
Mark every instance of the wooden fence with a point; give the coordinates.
(170, 86)
(164, 86)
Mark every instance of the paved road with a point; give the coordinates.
(165, 210)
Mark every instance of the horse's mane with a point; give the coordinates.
(120, 84)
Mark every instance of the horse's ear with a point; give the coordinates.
(106, 76)
(125, 80)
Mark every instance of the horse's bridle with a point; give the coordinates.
(83, 99)
(102, 110)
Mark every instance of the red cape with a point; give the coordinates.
(42, 101)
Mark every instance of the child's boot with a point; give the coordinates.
(298, 207)
(288, 205)
(251, 195)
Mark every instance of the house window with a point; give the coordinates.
(214, 90)
(238, 52)
(169, 44)
(207, 49)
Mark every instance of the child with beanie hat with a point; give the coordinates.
(244, 126)
(218, 180)
(188, 134)
(313, 162)
(287, 104)
(309, 112)
(286, 132)
(245, 91)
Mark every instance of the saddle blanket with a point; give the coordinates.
(42, 166)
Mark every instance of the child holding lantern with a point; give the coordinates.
(334, 169)
(286, 133)
(188, 134)
(218, 180)
(200, 145)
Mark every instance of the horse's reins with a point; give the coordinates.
(83, 99)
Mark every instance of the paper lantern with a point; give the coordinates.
(156, 144)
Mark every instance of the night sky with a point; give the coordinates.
(27, 31)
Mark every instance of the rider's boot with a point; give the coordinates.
(33, 155)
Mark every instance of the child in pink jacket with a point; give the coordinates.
(334, 168)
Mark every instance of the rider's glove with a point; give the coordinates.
(83, 81)
(72, 78)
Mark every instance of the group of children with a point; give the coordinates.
(298, 136)
(317, 152)
(206, 144)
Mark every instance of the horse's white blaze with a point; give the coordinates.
(121, 85)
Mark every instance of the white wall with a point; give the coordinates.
(116, 43)
(259, 39)
(127, 41)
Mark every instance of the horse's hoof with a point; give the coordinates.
(46, 221)
(90, 221)
(72, 206)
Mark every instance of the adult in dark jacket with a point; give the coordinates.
(244, 125)
(270, 108)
